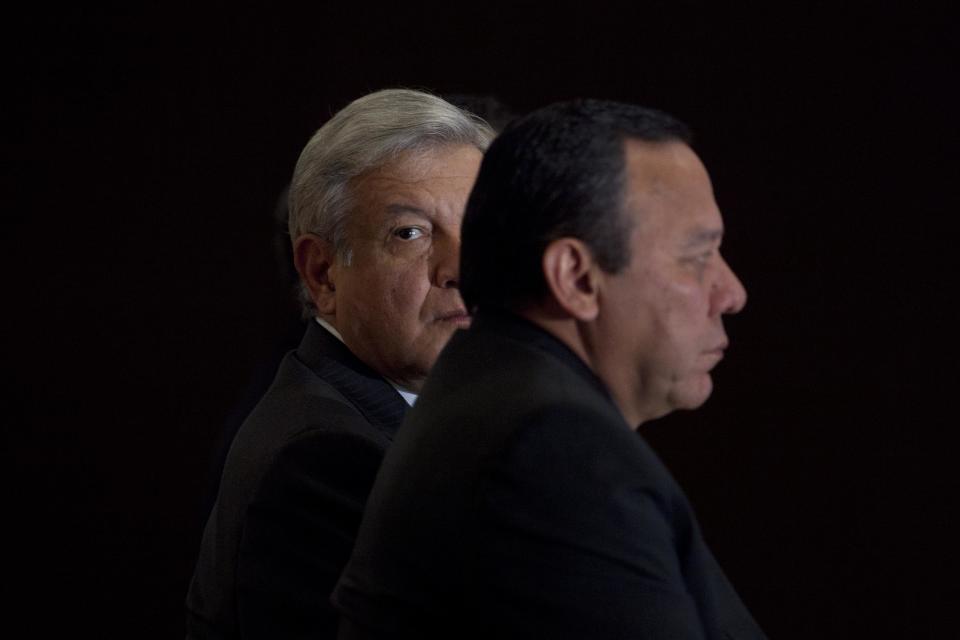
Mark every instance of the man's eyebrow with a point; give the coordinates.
(702, 237)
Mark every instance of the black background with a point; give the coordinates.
(146, 148)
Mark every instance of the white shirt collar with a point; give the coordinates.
(409, 396)
(329, 327)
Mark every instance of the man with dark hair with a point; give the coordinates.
(518, 501)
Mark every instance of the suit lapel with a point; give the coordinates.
(363, 387)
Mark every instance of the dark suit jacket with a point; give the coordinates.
(292, 494)
(517, 503)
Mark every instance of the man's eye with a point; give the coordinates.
(409, 233)
(700, 262)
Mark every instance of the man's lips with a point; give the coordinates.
(716, 353)
(457, 316)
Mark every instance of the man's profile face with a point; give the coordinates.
(663, 312)
(397, 301)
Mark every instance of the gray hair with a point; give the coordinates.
(368, 133)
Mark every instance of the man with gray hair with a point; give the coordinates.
(376, 202)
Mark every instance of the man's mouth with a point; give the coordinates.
(717, 350)
(458, 317)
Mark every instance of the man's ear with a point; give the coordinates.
(316, 262)
(572, 277)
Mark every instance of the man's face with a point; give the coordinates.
(662, 315)
(397, 301)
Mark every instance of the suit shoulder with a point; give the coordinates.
(300, 401)
(297, 421)
(571, 432)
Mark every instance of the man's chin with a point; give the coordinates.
(694, 395)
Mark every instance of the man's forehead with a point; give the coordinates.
(387, 198)
(401, 208)
(381, 198)
(655, 166)
(398, 176)
(445, 162)
(668, 188)
(414, 179)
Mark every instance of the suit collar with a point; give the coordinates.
(363, 387)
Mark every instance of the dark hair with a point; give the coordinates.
(557, 172)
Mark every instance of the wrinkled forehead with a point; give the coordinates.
(425, 181)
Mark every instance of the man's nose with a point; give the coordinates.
(729, 295)
(446, 262)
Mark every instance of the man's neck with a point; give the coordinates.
(581, 339)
